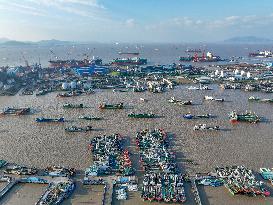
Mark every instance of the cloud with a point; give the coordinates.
(21, 8)
(130, 22)
(82, 8)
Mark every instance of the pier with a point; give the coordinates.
(11, 183)
(195, 192)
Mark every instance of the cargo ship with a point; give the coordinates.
(129, 61)
(261, 54)
(15, 111)
(74, 63)
(209, 57)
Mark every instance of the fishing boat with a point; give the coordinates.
(89, 117)
(190, 116)
(111, 106)
(245, 117)
(15, 111)
(141, 115)
(139, 89)
(205, 127)
(68, 105)
(3, 163)
(59, 171)
(266, 173)
(143, 99)
(78, 129)
(214, 99)
(20, 170)
(256, 99)
(179, 102)
(43, 92)
(120, 90)
(42, 119)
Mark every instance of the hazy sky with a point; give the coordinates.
(135, 20)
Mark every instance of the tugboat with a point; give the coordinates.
(15, 111)
(205, 127)
(189, 116)
(78, 129)
(89, 117)
(247, 117)
(68, 105)
(42, 119)
(109, 106)
(141, 115)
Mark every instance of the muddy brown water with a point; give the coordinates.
(25, 142)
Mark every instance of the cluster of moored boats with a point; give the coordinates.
(109, 157)
(161, 181)
(58, 189)
(57, 192)
(241, 180)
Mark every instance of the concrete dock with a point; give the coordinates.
(8, 187)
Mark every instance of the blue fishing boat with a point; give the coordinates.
(42, 119)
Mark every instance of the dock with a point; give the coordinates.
(196, 192)
(8, 187)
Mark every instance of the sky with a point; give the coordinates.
(135, 20)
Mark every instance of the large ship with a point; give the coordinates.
(261, 54)
(208, 57)
(73, 63)
(129, 61)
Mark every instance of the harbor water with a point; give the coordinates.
(23, 141)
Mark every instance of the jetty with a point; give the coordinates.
(195, 191)
(11, 183)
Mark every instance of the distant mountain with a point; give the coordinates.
(248, 39)
(16, 43)
(53, 42)
(2, 40)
